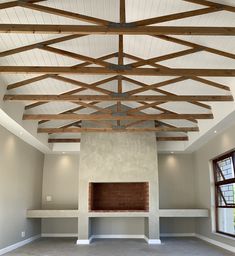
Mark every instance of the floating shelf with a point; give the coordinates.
(184, 213)
(118, 214)
(52, 213)
(169, 213)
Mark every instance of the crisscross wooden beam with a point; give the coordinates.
(76, 98)
(105, 71)
(77, 56)
(115, 30)
(16, 3)
(171, 138)
(113, 117)
(113, 129)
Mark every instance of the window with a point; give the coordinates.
(224, 175)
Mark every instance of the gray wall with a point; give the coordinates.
(60, 181)
(176, 191)
(20, 188)
(219, 145)
(118, 157)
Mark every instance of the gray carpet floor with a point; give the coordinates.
(169, 246)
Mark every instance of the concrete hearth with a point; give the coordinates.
(118, 158)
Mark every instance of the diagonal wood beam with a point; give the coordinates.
(16, 3)
(64, 13)
(212, 4)
(114, 129)
(38, 45)
(65, 140)
(104, 71)
(194, 45)
(176, 16)
(116, 30)
(165, 57)
(77, 98)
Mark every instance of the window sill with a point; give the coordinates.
(223, 236)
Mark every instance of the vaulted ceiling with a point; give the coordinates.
(163, 66)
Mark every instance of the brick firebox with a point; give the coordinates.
(131, 196)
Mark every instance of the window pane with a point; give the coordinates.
(226, 167)
(226, 220)
(228, 193)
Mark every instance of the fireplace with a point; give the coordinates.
(131, 196)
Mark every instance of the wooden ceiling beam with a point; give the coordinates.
(114, 129)
(176, 138)
(176, 16)
(105, 71)
(115, 30)
(194, 45)
(64, 13)
(114, 117)
(78, 140)
(65, 140)
(77, 98)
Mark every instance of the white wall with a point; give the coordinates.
(176, 191)
(220, 144)
(60, 181)
(20, 188)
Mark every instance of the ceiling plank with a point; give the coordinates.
(63, 13)
(113, 129)
(76, 98)
(115, 30)
(175, 16)
(105, 71)
(114, 116)
(16, 3)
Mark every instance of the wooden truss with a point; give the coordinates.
(118, 119)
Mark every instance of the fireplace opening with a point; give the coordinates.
(131, 196)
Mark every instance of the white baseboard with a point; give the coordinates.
(118, 236)
(177, 235)
(152, 241)
(19, 244)
(84, 241)
(59, 235)
(214, 242)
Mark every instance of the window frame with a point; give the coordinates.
(217, 184)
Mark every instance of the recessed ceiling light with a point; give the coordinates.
(215, 131)
(21, 133)
(172, 152)
(63, 153)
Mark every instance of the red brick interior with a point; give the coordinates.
(119, 196)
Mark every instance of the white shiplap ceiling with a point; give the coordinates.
(142, 46)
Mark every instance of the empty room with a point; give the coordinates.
(117, 127)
